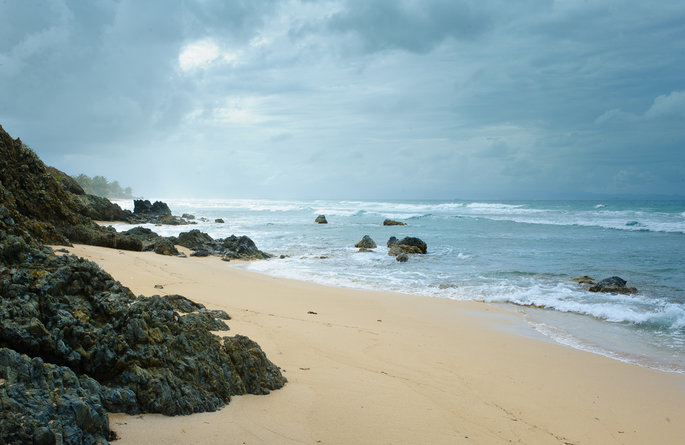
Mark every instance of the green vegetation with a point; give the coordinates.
(100, 186)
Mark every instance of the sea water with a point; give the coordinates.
(522, 254)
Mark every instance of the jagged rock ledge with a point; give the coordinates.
(75, 343)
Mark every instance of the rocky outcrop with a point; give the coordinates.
(143, 207)
(102, 209)
(321, 219)
(366, 243)
(392, 222)
(233, 247)
(64, 407)
(241, 247)
(409, 245)
(68, 183)
(35, 206)
(147, 356)
(614, 285)
(219, 221)
(145, 212)
(75, 343)
(150, 241)
(194, 239)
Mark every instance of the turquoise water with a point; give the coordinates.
(521, 253)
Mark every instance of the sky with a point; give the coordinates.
(352, 99)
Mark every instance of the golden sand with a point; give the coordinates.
(381, 368)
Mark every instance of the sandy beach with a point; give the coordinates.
(381, 368)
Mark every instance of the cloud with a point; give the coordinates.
(667, 106)
(664, 107)
(198, 54)
(434, 92)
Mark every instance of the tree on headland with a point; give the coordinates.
(100, 186)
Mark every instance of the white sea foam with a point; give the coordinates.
(517, 253)
(563, 337)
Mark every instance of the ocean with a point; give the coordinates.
(520, 254)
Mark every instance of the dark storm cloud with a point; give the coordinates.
(300, 98)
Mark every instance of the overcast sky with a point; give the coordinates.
(352, 98)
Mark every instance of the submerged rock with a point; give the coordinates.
(392, 222)
(584, 280)
(321, 219)
(613, 284)
(402, 257)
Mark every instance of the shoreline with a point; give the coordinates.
(379, 367)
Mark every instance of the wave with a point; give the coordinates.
(563, 337)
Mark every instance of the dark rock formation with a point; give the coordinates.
(321, 219)
(241, 247)
(145, 212)
(35, 206)
(150, 241)
(144, 207)
(366, 243)
(391, 222)
(615, 285)
(409, 245)
(74, 342)
(63, 408)
(68, 183)
(188, 216)
(194, 239)
(219, 221)
(233, 247)
(102, 209)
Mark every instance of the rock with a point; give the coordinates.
(242, 248)
(67, 182)
(616, 285)
(584, 280)
(201, 252)
(90, 344)
(321, 219)
(409, 245)
(102, 209)
(188, 216)
(165, 246)
(150, 241)
(144, 207)
(43, 403)
(194, 239)
(219, 221)
(366, 243)
(391, 222)
(402, 257)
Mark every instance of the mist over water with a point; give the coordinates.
(517, 253)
